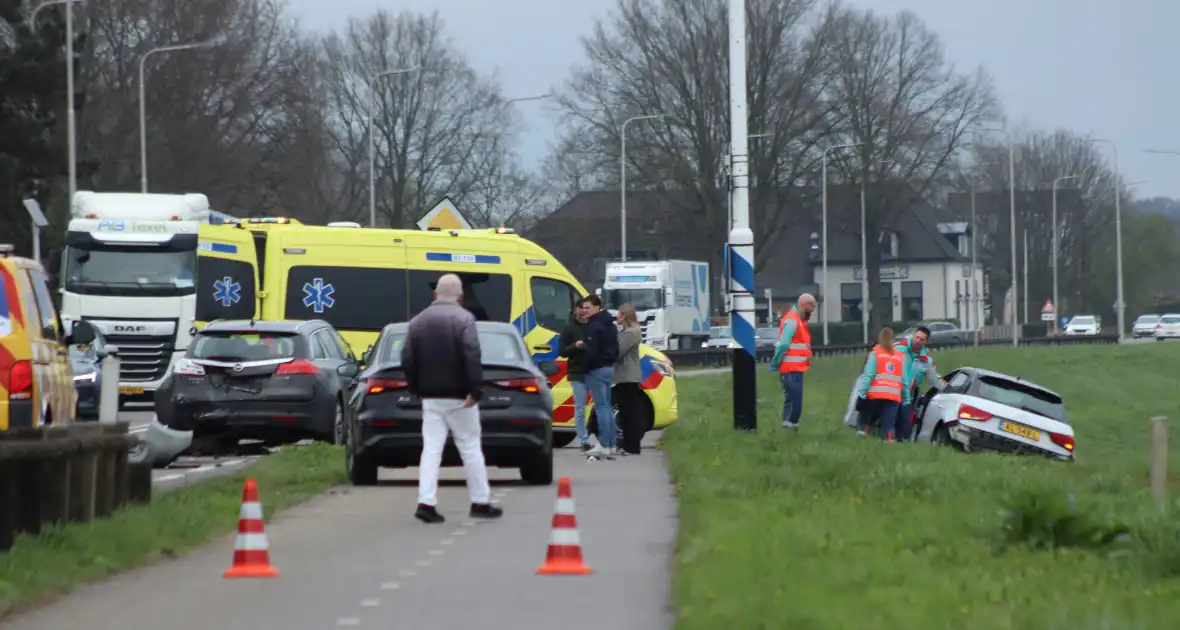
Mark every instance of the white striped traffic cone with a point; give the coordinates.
(251, 549)
(565, 547)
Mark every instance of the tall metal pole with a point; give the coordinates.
(741, 237)
(71, 122)
(1025, 276)
(865, 302)
(143, 176)
(977, 313)
(1119, 305)
(372, 142)
(623, 177)
(823, 290)
(1012, 221)
(1057, 235)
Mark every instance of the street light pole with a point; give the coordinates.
(864, 269)
(623, 176)
(372, 141)
(1056, 235)
(823, 290)
(1012, 219)
(143, 177)
(741, 237)
(976, 312)
(1119, 305)
(507, 103)
(1025, 276)
(71, 123)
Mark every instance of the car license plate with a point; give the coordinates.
(245, 390)
(1021, 430)
(130, 391)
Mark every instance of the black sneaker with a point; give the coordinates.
(586, 447)
(485, 510)
(428, 514)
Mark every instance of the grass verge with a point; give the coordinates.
(822, 530)
(41, 567)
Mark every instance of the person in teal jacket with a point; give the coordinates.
(917, 365)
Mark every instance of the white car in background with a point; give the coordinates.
(720, 337)
(984, 410)
(1168, 327)
(1144, 326)
(1083, 325)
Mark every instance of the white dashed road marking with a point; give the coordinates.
(435, 552)
(407, 573)
(390, 586)
(423, 563)
(370, 603)
(348, 622)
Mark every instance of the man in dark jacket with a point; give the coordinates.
(444, 368)
(601, 349)
(572, 345)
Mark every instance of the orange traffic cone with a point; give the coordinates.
(251, 549)
(565, 549)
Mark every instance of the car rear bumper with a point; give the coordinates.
(986, 440)
(254, 420)
(509, 438)
(19, 414)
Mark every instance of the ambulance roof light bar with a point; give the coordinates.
(268, 220)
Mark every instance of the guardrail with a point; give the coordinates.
(69, 474)
(719, 357)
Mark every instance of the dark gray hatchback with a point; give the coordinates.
(516, 413)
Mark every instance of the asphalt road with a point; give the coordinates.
(356, 558)
(186, 470)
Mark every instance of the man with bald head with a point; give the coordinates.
(444, 368)
(792, 357)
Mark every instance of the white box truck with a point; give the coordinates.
(671, 298)
(129, 268)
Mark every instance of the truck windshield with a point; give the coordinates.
(641, 299)
(153, 270)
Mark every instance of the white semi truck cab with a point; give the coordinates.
(129, 268)
(671, 299)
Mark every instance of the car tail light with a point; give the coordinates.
(967, 412)
(1158, 326)
(378, 385)
(387, 422)
(298, 366)
(1062, 440)
(188, 368)
(20, 380)
(527, 385)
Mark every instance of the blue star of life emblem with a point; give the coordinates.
(889, 367)
(227, 292)
(318, 295)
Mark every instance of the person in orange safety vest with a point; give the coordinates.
(792, 357)
(879, 387)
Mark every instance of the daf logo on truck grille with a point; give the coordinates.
(130, 330)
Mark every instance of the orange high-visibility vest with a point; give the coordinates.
(798, 356)
(887, 383)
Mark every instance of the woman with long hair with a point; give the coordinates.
(879, 388)
(628, 375)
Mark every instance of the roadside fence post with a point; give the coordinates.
(1159, 461)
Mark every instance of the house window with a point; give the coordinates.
(883, 302)
(889, 242)
(911, 301)
(850, 302)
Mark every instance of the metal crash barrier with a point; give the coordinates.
(71, 474)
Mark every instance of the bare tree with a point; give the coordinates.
(908, 109)
(435, 128)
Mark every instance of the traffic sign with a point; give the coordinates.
(1048, 311)
(444, 216)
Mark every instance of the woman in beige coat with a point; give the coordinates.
(628, 375)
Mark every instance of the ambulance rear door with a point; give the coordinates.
(227, 274)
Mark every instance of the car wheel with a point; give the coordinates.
(942, 436)
(362, 471)
(539, 470)
(339, 431)
(563, 439)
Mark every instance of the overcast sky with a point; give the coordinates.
(1097, 67)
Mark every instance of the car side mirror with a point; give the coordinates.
(549, 368)
(349, 370)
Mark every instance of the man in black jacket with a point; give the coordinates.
(444, 368)
(572, 346)
(601, 350)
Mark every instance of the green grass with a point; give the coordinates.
(820, 529)
(40, 567)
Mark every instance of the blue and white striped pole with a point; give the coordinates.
(741, 237)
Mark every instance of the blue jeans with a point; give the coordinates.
(887, 414)
(792, 396)
(598, 381)
(580, 390)
(905, 422)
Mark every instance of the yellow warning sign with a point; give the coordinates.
(444, 216)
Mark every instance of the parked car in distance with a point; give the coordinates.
(940, 333)
(1144, 326)
(720, 337)
(516, 413)
(277, 382)
(1083, 325)
(984, 410)
(1168, 327)
(765, 338)
(87, 349)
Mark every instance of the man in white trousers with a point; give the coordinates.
(441, 358)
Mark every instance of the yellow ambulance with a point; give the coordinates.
(360, 279)
(36, 379)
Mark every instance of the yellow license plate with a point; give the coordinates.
(130, 391)
(1021, 430)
